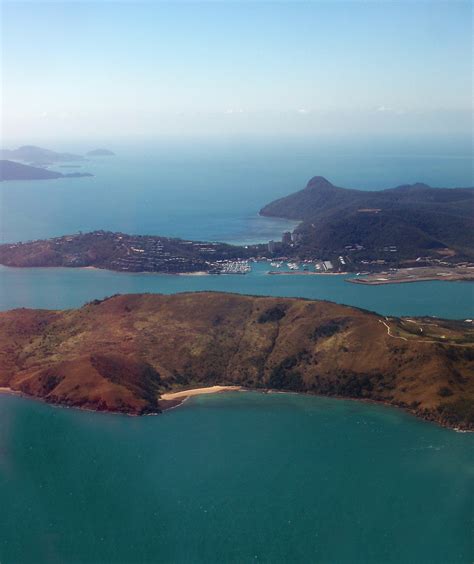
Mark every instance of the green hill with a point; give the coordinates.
(417, 219)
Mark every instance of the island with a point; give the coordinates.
(37, 155)
(139, 354)
(406, 234)
(10, 170)
(100, 153)
(396, 226)
(130, 253)
(153, 253)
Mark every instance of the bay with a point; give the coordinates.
(238, 477)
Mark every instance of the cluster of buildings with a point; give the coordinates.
(232, 267)
(170, 255)
(118, 251)
(122, 252)
(288, 239)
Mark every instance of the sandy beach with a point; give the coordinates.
(6, 390)
(199, 391)
(198, 273)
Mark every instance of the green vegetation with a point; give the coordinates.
(458, 412)
(273, 314)
(401, 223)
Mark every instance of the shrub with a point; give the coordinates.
(273, 314)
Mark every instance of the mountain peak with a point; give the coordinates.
(413, 187)
(319, 182)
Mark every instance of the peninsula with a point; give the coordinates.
(10, 170)
(129, 353)
(405, 234)
(37, 155)
(100, 153)
(129, 253)
(381, 227)
(153, 253)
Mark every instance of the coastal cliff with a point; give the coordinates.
(122, 353)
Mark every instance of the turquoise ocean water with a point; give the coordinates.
(58, 288)
(241, 477)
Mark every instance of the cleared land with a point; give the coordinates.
(421, 274)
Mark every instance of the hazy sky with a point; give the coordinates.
(73, 69)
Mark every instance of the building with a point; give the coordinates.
(271, 246)
(286, 239)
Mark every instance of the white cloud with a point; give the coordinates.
(388, 110)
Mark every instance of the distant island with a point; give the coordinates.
(10, 170)
(134, 353)
(405, 234)
(100, 153)
(39, 156)
(403, 223)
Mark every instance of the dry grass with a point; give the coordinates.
(123, 353)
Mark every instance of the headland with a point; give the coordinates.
(137, 353)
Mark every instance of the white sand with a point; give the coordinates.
(198, 392)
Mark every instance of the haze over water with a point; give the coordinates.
(223, 478)
(213, 189)
(214, 109)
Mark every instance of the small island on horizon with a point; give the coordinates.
(34, 155)
(29, 162)
(11, 170)
(100, 153)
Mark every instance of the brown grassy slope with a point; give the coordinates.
(120, 353)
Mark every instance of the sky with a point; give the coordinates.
(76, 69)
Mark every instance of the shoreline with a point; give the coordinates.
(184, 394)
(178, 399)
(98, 268)
(406, 281)
(9, 391)
(365, 280)
(305, 273)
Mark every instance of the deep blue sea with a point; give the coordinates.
(239, 477)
